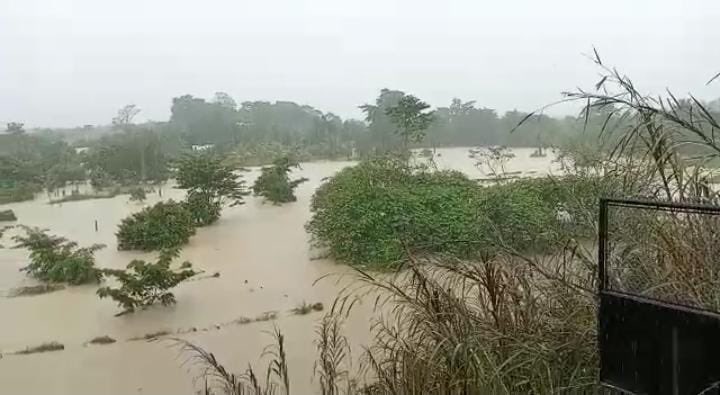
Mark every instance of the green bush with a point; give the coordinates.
(369, 214)
(162, 226)
(274, 183)
(99, 178)
(144, 284)
(7, 215)
(378, 211)
(576, 195)
(19, 193)
(204, 209)
(55, 259)
(137, 194)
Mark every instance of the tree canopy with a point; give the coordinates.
(209, 185)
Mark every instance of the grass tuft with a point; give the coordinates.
(102, 340)
(45, 347)
(33, 290)
(307, 308)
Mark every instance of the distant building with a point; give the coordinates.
(202, 147)
(81, 150)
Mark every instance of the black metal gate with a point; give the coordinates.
(658, 324)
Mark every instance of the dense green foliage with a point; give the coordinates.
(410, 118)
(137, 194)
(202, 208)
(18, 193)
(7, 215)
(210, 184)
(143, 284)
(128, 157)
(257, 132)
(59, 175)
(100, 179)
(252, 124)
(381, 210)
(55, 259)
(162, 226)
(29, 162)
(274, 181)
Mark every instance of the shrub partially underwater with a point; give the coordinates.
(377, 212)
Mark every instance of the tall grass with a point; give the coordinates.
(217, 379)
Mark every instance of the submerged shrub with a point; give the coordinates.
(55, 259)
(162, 226)
(18, 193)
(274, 182)
(203, 208)
(378, 211)
(45, 347)
(137, 194)
(144, 284)
(7, 215)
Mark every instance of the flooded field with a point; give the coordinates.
(265, 264)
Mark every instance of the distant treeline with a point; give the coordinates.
(222, 121)
(253, 133)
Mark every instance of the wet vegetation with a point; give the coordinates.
(165, 225)
(507, 303)
(307, 308)
(45, 347)
(127, 153)
(102, 340)
(138, 194)
(32, 290)
(78, 197)
(219, 380)
(151, 335)
(18, 193)
(56, 259)
(274, 182)
(488, 286)
(144, 284)
(210, 185)
(7, 216)
(377, 212)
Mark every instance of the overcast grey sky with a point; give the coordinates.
(74, 62)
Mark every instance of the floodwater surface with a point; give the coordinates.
(265, 264)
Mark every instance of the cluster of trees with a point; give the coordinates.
(257, 132)
(229, 126)
(29, 162)
(210, 185)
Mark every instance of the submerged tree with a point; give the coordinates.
(274, 183)
(144, 284)
(209, 185)
(56, 259)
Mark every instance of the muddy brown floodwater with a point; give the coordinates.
(262, 254)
